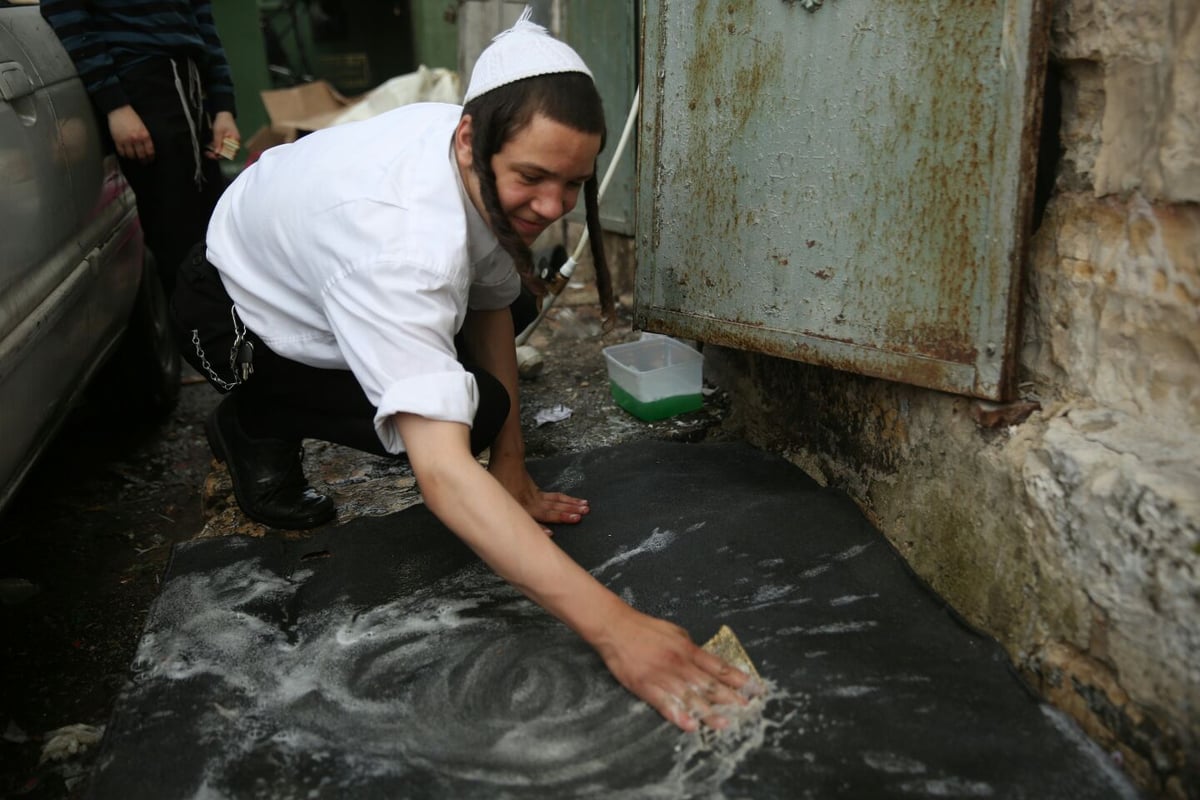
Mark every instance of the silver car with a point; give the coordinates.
(80, 304)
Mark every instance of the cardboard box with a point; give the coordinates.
(298, 110)
(295, 111)
(263, 138)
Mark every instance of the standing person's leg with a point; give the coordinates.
(176, 192)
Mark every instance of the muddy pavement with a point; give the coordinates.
(83, 547)
(81, 551)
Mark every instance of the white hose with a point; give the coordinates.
(568, 268)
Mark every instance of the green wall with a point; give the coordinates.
(237, 24)
(435, 38)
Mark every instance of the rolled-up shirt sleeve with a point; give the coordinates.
(400, 344)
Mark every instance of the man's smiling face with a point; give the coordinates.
(539, 173)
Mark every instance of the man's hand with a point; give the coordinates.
(223, 127)
(130, 135)
(658, 662)
(489, 336)
(545, 507)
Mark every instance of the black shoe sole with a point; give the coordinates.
(220, 450)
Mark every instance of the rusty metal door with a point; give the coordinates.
(841, 182)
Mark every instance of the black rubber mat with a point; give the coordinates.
(381, 659)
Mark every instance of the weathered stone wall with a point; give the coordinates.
(1072, 535)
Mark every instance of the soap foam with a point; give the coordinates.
(465, 682)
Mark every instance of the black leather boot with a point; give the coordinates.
(267, 478)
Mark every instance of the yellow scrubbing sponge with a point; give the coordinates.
(726, 646)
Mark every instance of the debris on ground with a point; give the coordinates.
(553, 414)
(69, 740)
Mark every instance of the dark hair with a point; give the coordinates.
(569, 98)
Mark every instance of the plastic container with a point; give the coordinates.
(655, 378)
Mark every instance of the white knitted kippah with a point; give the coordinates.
(523, 51)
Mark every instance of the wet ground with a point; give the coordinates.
(380, 658)
(82, 549)
(85, 544)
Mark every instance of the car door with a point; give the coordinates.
(70, 256)
(36, 198)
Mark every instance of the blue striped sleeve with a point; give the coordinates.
(72, 22)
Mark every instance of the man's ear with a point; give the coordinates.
(462, 142)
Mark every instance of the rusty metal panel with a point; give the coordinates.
(846, 183)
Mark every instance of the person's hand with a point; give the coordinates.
(223, 127)
(545, 507)
(658, 662)
(130, 135)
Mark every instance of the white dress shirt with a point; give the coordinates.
(356, 247)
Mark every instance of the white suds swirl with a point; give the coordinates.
(466, 684)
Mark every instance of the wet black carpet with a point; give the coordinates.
(381, 659)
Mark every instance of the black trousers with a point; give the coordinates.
(284, 399)
(173, 206)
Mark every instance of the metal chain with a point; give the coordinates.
(239, 336)
(213, 376)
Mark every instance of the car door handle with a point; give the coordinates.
(14, 83)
